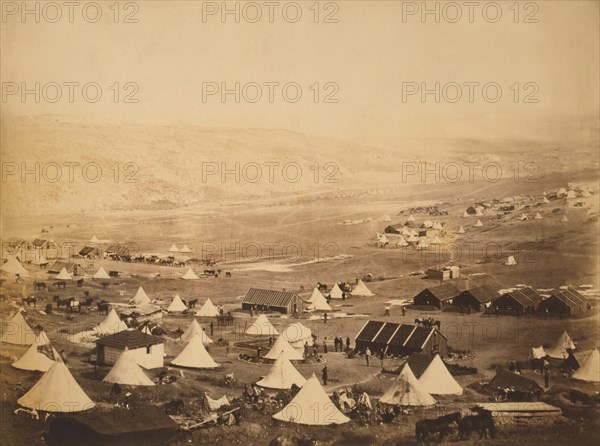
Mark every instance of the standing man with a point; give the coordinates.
(306, 350)
(211, 328)
(403, 310)
(367, 355)
(325, 317)
(258, 349)
(347, 343)
(387, 310)
(325, 344)
(324, 375)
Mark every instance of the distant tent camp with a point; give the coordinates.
(558, 350)
(590, 370)
(361, 290)
(382, 240)
(140, 297)
(195, 356)
(571, 194)
(461, 230)
(94, 240)
(12, 266)
(410, 218)
(281, 345)
(422, 243)
(111, 324)
(465, 215)
(56, 391)
(510, 261)
(127, 371)
(298, 335)
(478, 224)
(585, 193)
(101, 274)
(195, 329)
(185, 249)
(39, 357)
(523, 217)
(262, 327)
(336, 292)
(312, 395)
(401, 242)
(436, 241)
(564, 219)
(405, 231)
(537, 216)
(190, 275)
(176, 305)
(545, 200)
(437, 380)
(17, 331)
(63, 275)
(208, 309)
(174, 248)
(407, 391)
(282, 375)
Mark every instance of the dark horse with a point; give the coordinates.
(482, 423)
(30, 300)
(441, 425)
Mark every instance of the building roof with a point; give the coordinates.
(483, 294)
(505, 379)
(390, 333)
(444, 292)
(59, 265)
(571, 298)
(269, 297)
(526, 296)
(418, 363)
(86, 250)
(131, 339)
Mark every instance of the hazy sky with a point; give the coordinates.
(368, 54)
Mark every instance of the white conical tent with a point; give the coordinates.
(193, 330)
(319, 303)
(261, 327)
(436, 241)
(39, 357)
(140, 297)
(382, 239)
(590, 370)
(174, 248)
(63, 275)
(195, 356)
(336, 292)
(571, 194)
(523, 217)
(127, 371)
(564, 219)
(13, 266)
(94, 239)
(314, 295)
(281, 345)
(437, 380)
(146, 329)
(465, 214)
(461, 230)
(190, 275)
(405, 231)
(17, 331)
(56, 391)
(208, 309)
(312, 406)
(410, 218)
(586, 193)
(111, 324)
(412, 239)
(176, 305)
(510, 261)
(101, 274)
(185, 249)
(478, 224)
(407, 391)
(361, 289)
(401, 242)
(545, 200)
(298, 335)
(559, 348)
(422, 243)
(478, 212)
(538, 352)
(537, 216)
(282, 375)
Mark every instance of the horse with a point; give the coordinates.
(60, 284)
(60, 302)
(477, 423)
(80, 283)
(441, 425)
(30, 300)
(227, 274)
(192, 303)
(73, 305)
(87, 302)
(103, 307)
(39, 285)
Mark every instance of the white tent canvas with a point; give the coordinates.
(63, 275)
(564, 219)
(571, 194)
(111, 324)
(437, 380)
(361, 289)
(56, 391)
(545, 200)
(261, 327)
(101, 274)
(13, 266)
(523, 217)
(185, 249)
(410, 218)
(174, 248)
(176, 305)
(208, 309)
(465, 214)
(195, 356)
(461, 230)
(195, 329)
(17, 331)
(281, 345)
(282, 375)
(39, 357)
(94, 239)
(537, 216)
(311, 406)
(401, 242)
(510, 261)
(298, 335)
(590, 370)
(538, 352)
(560, 346)
(190, 275)
(127, 371)
(407, 391)
(319, 303)
(314, 295)
(140, 297)
(336, 292)
(436, 241)
(478, 224)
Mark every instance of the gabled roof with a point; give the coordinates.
(483, 294)
(444, 292)
(526, 296)
(505, 379)
(418, 363)
(269, 297)
(571, 297)
(131, 339)
(390, 333)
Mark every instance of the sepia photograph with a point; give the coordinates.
(299, 223)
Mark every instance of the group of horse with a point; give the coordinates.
(140, 258)
(428, 322)
(445, 425)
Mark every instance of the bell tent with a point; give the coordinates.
(127, 371)
(140, 297)
(195, 356)
(261, 327)
(63, 275)
(590, 370)
(176, 305)
(281, 345)
(282, 375)
(190, 275)
(39, 357)
(13, 266)
(208, 309)
(336, 292)
(361, 290)
(17, 331)
(193, 330)
(407, 391)
(437, 380)
(101, 274)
